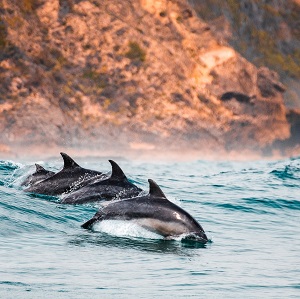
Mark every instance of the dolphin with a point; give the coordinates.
(153, 212)
(71, 177)
(117, 185)
(39, 175)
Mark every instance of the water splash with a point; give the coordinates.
(121, 228)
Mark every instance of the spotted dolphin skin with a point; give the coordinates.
(117, 185)
(153, 212)
(71, 177)
(40, 174)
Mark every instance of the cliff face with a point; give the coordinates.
(265, 32)
(133, 74)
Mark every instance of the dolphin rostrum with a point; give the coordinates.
(71, 177)
(115, 186)
(40, 174)
(153, 212)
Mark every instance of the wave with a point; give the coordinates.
(257, 205)
(8, 165)
(290, 171)
(274, 203)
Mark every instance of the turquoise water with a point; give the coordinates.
(249, 210)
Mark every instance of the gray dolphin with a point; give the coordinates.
(40, 174)
(71, 177)
(153, 212)
(117, 185)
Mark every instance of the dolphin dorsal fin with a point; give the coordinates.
(154, 190)
(116, 171)
(39, 168)
(68, 161)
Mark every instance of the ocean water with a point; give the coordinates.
(249, 210)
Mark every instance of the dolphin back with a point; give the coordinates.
(69, 178)
(40, 174)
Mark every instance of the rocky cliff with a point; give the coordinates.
(132, 76)
(266, 32)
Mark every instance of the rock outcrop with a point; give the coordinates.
(264, 32)
(130, 75)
